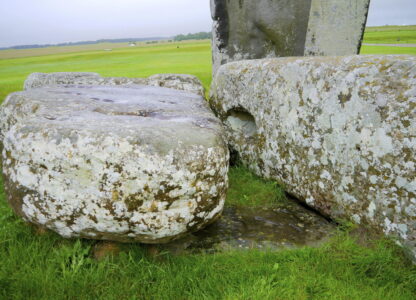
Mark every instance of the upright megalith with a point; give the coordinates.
(339, 132)
(122, 163)
(248, 29)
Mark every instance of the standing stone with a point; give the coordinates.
(252, 29)
(131, 163)
(338, 132)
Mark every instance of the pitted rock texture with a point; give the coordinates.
(248, 29)
(184, 82)
(339, 132)
(135, 163)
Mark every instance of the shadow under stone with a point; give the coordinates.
(283, 226)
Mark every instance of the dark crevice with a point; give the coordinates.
(310, 208)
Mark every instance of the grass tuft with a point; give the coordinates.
(247, 189)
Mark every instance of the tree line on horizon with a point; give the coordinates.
(177, 38)
(193, 36)
(125, 40)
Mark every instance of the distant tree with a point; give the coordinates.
(193, 36)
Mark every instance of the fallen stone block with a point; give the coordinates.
(184, 82)
(338, 132)
(245, 29)
(128, 164)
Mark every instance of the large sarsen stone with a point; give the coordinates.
(339, 132)
(135, 163)
(184, 82)
(252, 29)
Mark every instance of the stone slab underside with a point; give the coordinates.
(134, 163)
(339, 132)
(248, 29)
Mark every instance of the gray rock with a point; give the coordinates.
(134, 163)
(37, 80)
(284, 226)
(188, 83)
(245, 29)
(339, 132)
(182, 82)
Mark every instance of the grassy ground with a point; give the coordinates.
(20, 53)
(190, 58)
(391, 35)
(387, 50)
(246, 189)
(45, 266)
(49, 267)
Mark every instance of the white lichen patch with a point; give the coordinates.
(134, 163)
(339, 132)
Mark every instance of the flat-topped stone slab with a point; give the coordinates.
(183, 82)
(135, 163)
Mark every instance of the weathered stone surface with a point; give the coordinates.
(339, 132)
(246, 29)
(134, 163)
(284, 226)
(188, 83)
(182, 82)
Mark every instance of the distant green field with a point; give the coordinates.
(391, 28)
(46, 266)
(190, 58)
(387, 50)
(390, 35)
(141, 61)
(16, 53)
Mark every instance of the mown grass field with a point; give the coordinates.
(191, 58)
(20, 53)
(388, 50)
(391, 35)
(34, 266)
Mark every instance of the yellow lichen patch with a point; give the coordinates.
(115, 196)
(154, 207)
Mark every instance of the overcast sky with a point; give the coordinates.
(55, 21)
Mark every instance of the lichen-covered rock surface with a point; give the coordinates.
(134, 163)
(339, 132)
(184, 82)
(248, 29)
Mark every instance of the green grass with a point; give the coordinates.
(390, 35)
(191, 58)
(16, 53)
(391, 28)
(387, 50)
(49, 267)
(247, 189)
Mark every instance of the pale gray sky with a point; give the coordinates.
(55, 21)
